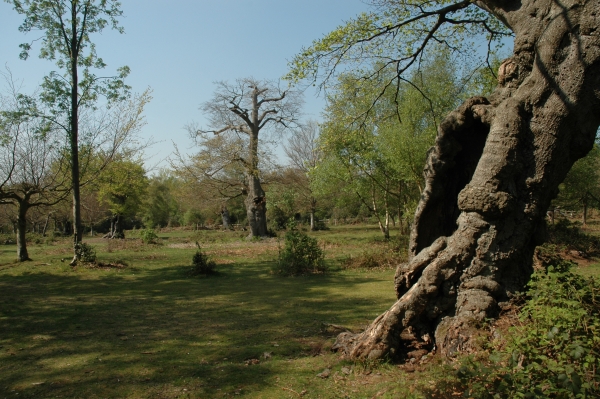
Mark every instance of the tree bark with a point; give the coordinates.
(225, 218)
(74, 137)
(118, 231)
(46, 225)
(256, 203)
(495, 167)
(383, 228)
(313, 209)
(22, 254)
(256, 208)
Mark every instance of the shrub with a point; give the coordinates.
(301, 255)
(277, 219)
(85, 252)
(7, 239)
(555, 352)
(148, 236)
(202, 264)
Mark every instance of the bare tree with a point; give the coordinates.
(243, 110)
(496, 164)
(33, 165)
(303, 152)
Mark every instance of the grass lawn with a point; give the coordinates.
(148, 330)
(141, 327)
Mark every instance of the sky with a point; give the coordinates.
(179, 48)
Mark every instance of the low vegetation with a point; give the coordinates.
(202, 264)
(553, 351)
(300, 255)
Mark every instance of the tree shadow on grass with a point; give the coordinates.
(160, 332)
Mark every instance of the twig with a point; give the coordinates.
(337, 327)
(291, 390)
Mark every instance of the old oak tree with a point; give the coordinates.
(497, 161)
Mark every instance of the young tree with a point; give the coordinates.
(67, 27)
(303, 152)
(33, 166)
(93, 210)
(380, 148)
(243, 110)
(497, 161)
(162, 207)
(122, 185)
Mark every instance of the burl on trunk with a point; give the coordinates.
(490, 177)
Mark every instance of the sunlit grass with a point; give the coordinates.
(147, 329)
(138, 326)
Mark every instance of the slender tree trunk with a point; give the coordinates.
(496, 166)
(46, 225)
(382, 228)
(387, 213)
(585, 211)
(387, 224)
(22, 254)
(74, 137)
(313, 209)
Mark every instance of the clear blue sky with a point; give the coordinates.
(180, 47)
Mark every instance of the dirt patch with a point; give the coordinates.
(182, 245)
(579, 258)
(105, 266)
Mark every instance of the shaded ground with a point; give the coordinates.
(148, 330)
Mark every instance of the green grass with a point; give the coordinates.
(141, 327)
(149, 330)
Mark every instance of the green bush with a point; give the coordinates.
(148, 236)
(301, 254)
(278, 219)
(202, 264)
(555, 352)
(7, 239)
(192, 218)
(85, 252)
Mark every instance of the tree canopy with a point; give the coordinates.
(395, 37)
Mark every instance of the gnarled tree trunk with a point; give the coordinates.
(495, 167)
(256, 207)
(256, 202)
(116, 228)
(225, 218)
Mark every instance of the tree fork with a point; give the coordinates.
(496, 166)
